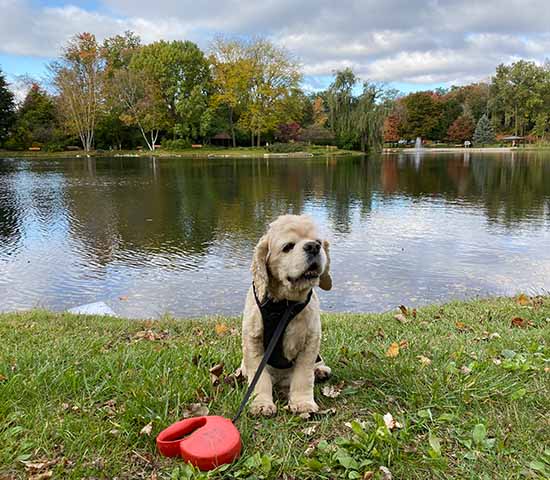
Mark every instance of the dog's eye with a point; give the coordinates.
(288, 247)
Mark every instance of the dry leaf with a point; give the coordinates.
(310, 430)
(114, 432)
(390, 422)
(386, 474)
(195, 410)
(465, 370)
(497, 361)
(221, 329)
(150, 335)
(393, 351)
(424, 360)
(403, 344)
(3, 378)
(404, 310)
(460, 325)
(332, 391)
(41, 476)
(147, 429)
(519, 322)
(523, 300)
(236, 377)
(215, 373)
(311, 447)
(400, 318)
(368, 475)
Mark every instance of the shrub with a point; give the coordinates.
(177, 144)
(286, 147)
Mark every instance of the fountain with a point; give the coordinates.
(418, 143)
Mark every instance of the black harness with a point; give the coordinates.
(272, 313)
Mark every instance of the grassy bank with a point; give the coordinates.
(469, 384)
(239, 152)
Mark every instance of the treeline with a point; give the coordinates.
(121, 94)
(516, 102)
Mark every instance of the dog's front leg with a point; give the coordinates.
(300, 399)
(262, 402)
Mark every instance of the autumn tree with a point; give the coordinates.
(274, 76)
(391, 128)
(7, 108)
(461, 129)
(78, 79)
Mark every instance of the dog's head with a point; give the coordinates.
(291, 258)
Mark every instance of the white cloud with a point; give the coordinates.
(397, 40)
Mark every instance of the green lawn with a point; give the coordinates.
(469, 387)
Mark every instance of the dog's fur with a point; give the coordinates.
(279, 275)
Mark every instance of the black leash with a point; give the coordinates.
(285, 319)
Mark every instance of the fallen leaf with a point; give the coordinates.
(3, 378)
(404, 310)
(519, 322)
(403, 344)
(236, 377)
(311, 447)
(215, 373)
(414, 312)
(497, 361)
(400, 318)
(424, 360)
(41, 476)
(150, 335)
(465, 370)
(114, 432)
(332, 391)
(221, 329)
(460, 325)
(380, 333)
(386, 474)
(310, 430)
(146, 430)
(195, 410)
(523, 300)
(393, 351)
(390, 422)
(368, 475)
(328, 411)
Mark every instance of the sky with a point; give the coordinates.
(408, 44)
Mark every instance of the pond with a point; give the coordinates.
(156, 236)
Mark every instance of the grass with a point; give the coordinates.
(237, 152)
(469, 387)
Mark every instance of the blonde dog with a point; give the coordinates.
(289, 261)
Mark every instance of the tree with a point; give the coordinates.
(231, 76)
(181, 73)
(423, 115)
(78, 79)
(7, 108)
(391, 128)
(36, 120)
(142, 103)
(461, 129)
(357, 121)
(484, 132)
(274, 77)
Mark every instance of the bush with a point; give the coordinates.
(286, 147)
(177, 144)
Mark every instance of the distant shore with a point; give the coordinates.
(213, 153)
(463, 149)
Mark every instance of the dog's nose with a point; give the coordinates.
(312, 248)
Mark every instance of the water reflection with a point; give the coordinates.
(177, 235)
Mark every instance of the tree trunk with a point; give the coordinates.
(232, 126)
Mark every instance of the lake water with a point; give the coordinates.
(176, 235)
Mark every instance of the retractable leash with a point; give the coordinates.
(210, 441)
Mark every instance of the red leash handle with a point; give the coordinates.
(206, 442)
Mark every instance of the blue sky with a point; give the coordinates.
(407, 44)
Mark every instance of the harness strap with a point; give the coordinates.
(269, 350)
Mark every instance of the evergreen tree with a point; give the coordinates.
(484, 132)
(7, 108)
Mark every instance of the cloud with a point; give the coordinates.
(411, 41)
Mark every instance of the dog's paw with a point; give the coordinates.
(303, 406)
(322, 373)
(265, 408)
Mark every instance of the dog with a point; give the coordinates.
(289, 261)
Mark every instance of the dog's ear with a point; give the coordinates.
(325, 282)
(259, 267)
